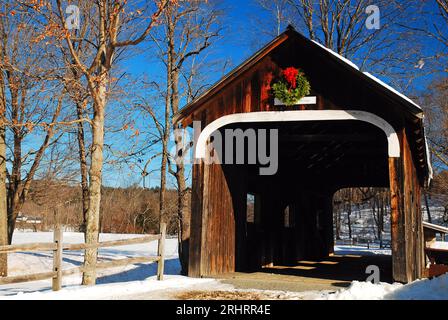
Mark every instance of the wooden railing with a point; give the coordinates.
(58, 247)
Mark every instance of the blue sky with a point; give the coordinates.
(242, 37)
(234, 47)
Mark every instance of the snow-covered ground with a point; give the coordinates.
(34, 262)
(139, 281)
(359, 250)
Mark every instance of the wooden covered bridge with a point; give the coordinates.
(357, 132)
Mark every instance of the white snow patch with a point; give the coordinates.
(139, 280)
(435, 289)
(361, 251)
(363, 291)
(443, 245)
(22, 263)
(113, 291)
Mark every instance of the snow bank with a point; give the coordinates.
(435, 289)
(21, 263)
(363, 291)
(113, 291)
(140, 279)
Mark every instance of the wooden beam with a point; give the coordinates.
(28, 247)
(327, 138)
(397, 222)
(28, 278)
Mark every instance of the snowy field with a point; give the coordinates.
(138, 281)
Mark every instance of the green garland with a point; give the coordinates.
(285, 92)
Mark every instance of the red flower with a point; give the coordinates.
(290, 75)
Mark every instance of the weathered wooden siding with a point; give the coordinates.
(218, 220)
(406, 219)
(221, 240)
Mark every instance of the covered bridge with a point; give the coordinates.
(353, 131)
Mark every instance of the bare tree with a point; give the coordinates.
(3, 176)
(340, 25)
(441, 32)
(113, 26)
(382, 47)
(32, 107)
(79, 94)
(279, 11)
(190, 28)
(435, 101)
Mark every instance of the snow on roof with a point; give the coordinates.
(354, 66)
(392, 90)
(428, 162)
(345, 60)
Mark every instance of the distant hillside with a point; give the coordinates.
(124, 210)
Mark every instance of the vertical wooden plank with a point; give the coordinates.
(326, 220)
(409, 238)
(397, 222)
(239, 96)
(238, 202)
(57, 258)
(194, 225)
(197, 199)
(161, 252)
(247, 96)
(218, 244)
(205, 257)
(268, 220)
(414, 227)
(298, 227)
(265, 95)
(196, 221)
(210, 216)
(255, 93)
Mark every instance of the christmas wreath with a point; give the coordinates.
(291, 87)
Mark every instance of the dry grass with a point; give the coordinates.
(228, 295)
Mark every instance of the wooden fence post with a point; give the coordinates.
(161, 252)
(57, 258)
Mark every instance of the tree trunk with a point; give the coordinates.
(16, 177)
(18, 189)
(164, 161)
(84, 169)
(337, 219)
(182, 212)
(349, 213)
(166, 132)
(349, 223)
(3, 195)
(95, 174)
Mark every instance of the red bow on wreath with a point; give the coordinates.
(290, 75)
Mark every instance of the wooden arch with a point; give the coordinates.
(304, 115)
